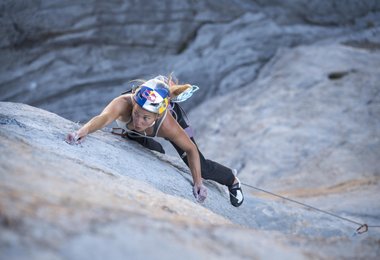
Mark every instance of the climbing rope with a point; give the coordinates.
(360, 230)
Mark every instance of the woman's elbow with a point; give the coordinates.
(192, 150)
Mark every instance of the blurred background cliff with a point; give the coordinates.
(73, 57)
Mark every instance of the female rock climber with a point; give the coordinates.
(149, 111)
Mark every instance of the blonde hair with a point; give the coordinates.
(175, 88)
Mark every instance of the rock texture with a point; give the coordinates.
(308, 126)
(98, 200)
(312, 110)
(110, 198)
(289, 96)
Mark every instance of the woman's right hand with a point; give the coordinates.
(74, 138)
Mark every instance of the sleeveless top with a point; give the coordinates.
(132, 133)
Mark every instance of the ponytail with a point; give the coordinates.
(175, 88)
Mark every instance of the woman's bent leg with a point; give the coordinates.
(210, 170)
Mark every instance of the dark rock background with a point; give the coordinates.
(73, 57)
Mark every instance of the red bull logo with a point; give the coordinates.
(150, 95)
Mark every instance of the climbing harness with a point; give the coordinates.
(360, 230)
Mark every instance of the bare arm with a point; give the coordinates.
(171, 130)
(111, 112)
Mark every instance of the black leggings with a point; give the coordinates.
(210, 170)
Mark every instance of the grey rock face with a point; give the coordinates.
(289, 96)
(99, 200)
(308, 125)
(332, 12)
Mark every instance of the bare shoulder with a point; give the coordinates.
(119, 105)
(169, 127)
(171, 130)
(125, 99)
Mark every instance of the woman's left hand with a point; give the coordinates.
(200, 192)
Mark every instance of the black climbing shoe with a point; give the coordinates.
(236, 194)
